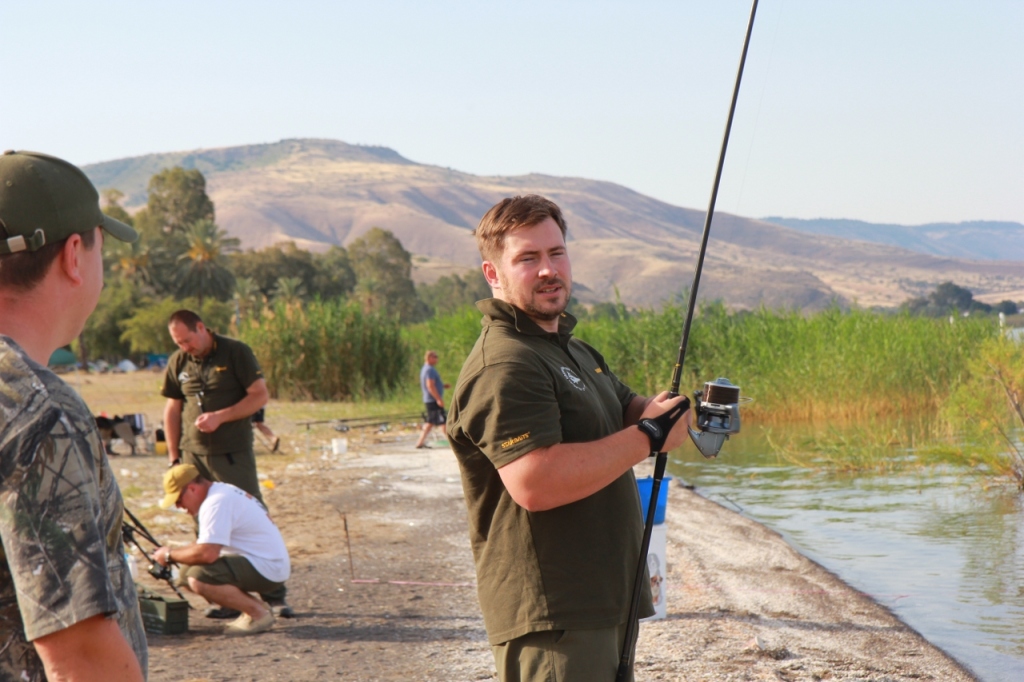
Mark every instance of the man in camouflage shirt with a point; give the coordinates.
(68, 606)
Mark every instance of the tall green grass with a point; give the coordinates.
(452, 336)
(836, 366)
(830, 366)
(328, 351)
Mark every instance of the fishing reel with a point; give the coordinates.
(716, 412)
(160, 572)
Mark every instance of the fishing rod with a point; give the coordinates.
(129, 531)
(716, 407)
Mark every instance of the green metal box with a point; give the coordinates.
(163, 616)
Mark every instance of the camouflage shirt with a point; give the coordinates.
(60, 518)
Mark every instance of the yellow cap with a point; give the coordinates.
(175, 481)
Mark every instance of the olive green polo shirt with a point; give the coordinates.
(211, 383)
(571, 567)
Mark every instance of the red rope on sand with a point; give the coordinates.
(378, 581)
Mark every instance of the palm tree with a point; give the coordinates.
(289, 290)
(203, 269)
(248, 296)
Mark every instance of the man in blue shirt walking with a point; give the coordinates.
(433, 397)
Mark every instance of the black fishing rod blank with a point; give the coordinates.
(129, 531)
(715, 420)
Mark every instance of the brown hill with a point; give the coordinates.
(323, 192)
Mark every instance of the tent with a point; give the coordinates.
(62, 357)
(126, 366)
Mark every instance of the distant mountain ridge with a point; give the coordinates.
(978, 239)
(323, 192)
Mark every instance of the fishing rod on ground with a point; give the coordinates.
(716, 408)
(134, 529)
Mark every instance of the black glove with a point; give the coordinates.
(658, 428)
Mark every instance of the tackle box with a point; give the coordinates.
(163, 615)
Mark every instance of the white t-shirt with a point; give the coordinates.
(233, 518)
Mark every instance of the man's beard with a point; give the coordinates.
(551, 313)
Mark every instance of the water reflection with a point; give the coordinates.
(936, 546)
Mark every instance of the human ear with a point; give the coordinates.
(70, 258)
(490, 274)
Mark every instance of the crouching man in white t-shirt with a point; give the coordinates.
(239, 549)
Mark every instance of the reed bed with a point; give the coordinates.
(835, 366)
(869, 387)
(329, 350)
(839, 367)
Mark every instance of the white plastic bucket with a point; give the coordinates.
(658, 570)
(339, 445)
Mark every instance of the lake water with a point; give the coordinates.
(941, 549)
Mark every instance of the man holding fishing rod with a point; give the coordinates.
(546, 437)
(68, 607)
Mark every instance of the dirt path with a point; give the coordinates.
(742, 604)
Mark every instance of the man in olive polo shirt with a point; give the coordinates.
(213, 385)
(546, 439)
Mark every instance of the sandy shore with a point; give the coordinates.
(392, 598)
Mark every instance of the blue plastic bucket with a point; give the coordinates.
(644, 485)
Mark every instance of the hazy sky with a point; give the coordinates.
(905, 111)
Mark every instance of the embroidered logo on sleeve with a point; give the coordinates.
(512, 441)
(576, 382)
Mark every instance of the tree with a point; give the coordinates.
(102, 332)
(946, 299)
(146, 330)
(451, 292)
(290, 291)
(328, 275)
(334, 276)
(112, 206)
(203, 269)
(383, 275)
(1006, 308)
(177, 199)
(248, 297)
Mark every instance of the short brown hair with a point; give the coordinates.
(186, 317)
(24, 270)
(512, 213)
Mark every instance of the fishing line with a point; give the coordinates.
(760, 101)
(716, 409)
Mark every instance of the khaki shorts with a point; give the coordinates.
(232, 569)
(561, 656)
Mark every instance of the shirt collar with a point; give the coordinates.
(498, 310)
(213, 349)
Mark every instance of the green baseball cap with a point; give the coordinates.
(44, 199)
